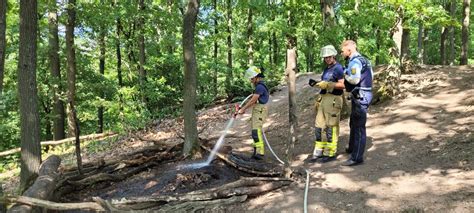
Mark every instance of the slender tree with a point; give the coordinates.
(59, 114)
(452, 11)
(290, 72)
(250, 35)
(100, 111)
(421, 38)
(71, 78)
(3, 43)
(229, 76)
(216, 49)
(327, 10)
(465, 32)
(190, 78)
(29, 115)
(141, 46)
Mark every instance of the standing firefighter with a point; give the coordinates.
(259, 112)
(358, 81)
(328, 104)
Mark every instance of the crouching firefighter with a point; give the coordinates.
(258, 101)
(328, 105)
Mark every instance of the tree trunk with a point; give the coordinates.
(405, 48)
(377, 44)
(442, 45)
(465, 32)
(421, 38)
(43, 186)
(452, 11)
(290, 73)
(100, 111)
(249, 36)
(216, 50)
(3, 42)
(397, 36)
(29, 116)
(141, 46)
(275, 49)
(71, 77)
(229, 76)
(190, 78)
(59, 115)
(327, 11)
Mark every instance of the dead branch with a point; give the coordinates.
(199, 206)
(263, 169)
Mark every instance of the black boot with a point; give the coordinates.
(327, 159)
(255, 155)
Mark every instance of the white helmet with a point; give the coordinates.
(327, 51)
(252, 72)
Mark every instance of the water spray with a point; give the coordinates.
(220, 140)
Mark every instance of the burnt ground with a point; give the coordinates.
(165, 179)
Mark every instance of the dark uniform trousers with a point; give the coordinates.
(358, 119)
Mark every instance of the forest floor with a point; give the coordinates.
(419, 155)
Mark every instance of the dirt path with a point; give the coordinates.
(419, 151)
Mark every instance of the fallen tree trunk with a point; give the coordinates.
(202, 206)
(44, 185)
(249, 166)
(252, 186)
(29, 201)
(71, 139)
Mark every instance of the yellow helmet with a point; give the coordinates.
(252, 72)
(327, 51)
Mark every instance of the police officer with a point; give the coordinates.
(358, 82)
(258, 101)
(329, 105)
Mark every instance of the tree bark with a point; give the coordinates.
(100, 111)
(29, 115)
(290, 73)
(43, 186)
(3, 42)
(229, 76)
(71, 78)
(465, 32)
(327, 11)
(421, 38)
(442, 45)
(216, 50)
(59, 114)
(452, 11)
(250, 36)
(141, 46)
(190, 78)
(405, 48)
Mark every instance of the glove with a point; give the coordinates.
(312, 82)
(323, 84)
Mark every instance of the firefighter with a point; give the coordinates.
(258, 103)
(328, 105)
(358, 82)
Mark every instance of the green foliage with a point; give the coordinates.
(125, 108)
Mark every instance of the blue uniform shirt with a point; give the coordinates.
(333, 73)
(262, 90)
(353, 70)
(358, 74)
